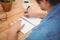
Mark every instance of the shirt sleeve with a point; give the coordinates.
(46, 31)
(54, 36)
(37, 35)
(44, 34)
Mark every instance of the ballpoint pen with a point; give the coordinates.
(27, 9)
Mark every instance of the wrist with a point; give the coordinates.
(13, 31)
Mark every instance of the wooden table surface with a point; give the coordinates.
(16, 12)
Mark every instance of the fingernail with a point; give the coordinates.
(11, 23)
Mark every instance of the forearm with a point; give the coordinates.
(14, 29)
(42, 15)
(12, 35)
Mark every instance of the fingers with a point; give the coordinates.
(22, 26)
(16, 26)
(14, 23)
(11, 24)
(27, 15)
(18, 22)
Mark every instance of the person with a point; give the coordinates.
(49, 29)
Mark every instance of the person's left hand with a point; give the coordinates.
(15, 27)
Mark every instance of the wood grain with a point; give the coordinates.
(16, 12)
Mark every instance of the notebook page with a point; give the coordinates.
(33, 22)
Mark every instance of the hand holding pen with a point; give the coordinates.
(26, 12)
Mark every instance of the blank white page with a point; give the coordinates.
(30, 23)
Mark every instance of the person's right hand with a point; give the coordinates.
(40, 14)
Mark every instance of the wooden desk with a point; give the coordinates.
(16, 12)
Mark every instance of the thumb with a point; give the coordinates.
(27, 15)
(22, 27)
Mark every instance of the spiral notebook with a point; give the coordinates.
(30, 23)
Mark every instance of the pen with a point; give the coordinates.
(27, 9)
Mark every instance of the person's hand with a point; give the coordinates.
(29, 14)
(40, 14)
(15, 26)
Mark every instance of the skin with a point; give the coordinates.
(13, 31)
(35, 13)
(40, 14)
